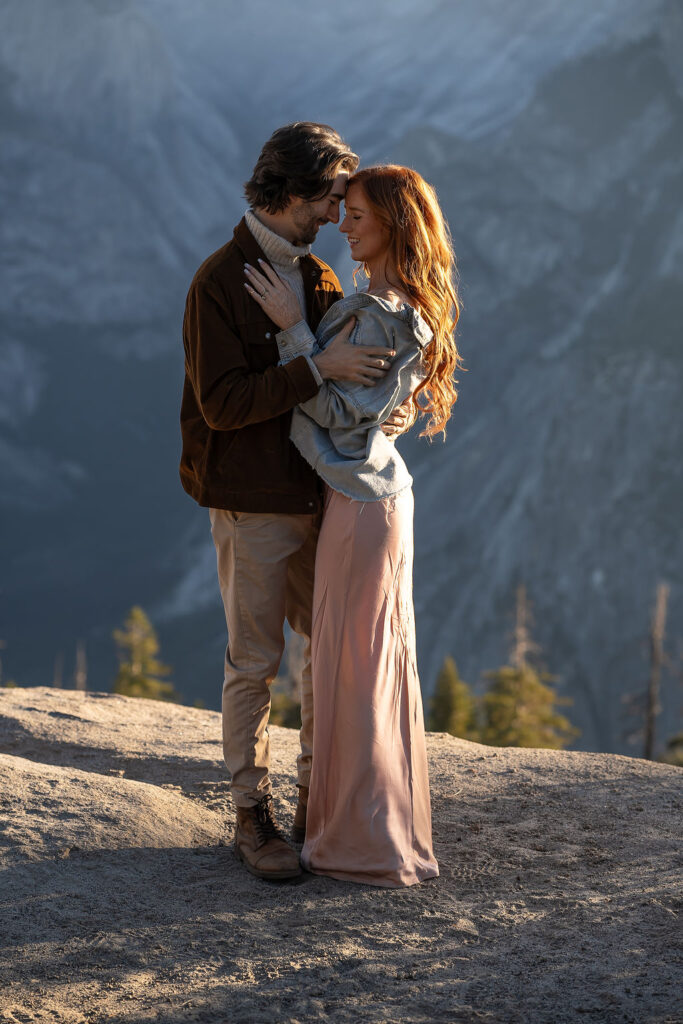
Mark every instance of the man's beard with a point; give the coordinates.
(307, 225)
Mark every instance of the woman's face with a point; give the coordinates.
(367, 236)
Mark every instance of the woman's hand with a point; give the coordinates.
(275, 297)
(401, 419)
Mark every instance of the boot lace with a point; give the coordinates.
(266, 828)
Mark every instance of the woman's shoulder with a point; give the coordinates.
(342, 309)
(387, 306)
(397, 305)
(393, 296)
(379, 302)
(385, 299)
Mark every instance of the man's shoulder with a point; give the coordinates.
(220, 264)
(225, 266)
(320, 264)
(324, 272)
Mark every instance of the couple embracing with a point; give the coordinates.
(292, 400)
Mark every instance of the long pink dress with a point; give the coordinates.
(369, 815)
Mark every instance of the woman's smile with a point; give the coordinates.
(367, 236)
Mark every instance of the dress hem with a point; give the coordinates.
(360, 879)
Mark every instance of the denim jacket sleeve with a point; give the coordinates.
(299, 340)
(344, 403)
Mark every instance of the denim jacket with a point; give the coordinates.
(338, 430)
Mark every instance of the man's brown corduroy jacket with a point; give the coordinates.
(237, 402)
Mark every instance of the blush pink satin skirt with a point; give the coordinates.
(369, 815)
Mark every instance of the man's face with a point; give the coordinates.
(307, 218)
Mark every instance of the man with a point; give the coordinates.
(264, 500)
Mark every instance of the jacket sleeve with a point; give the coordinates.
(341, 404)
(345, 404)
(229, 395)
(330, 407)
(333, 406)
(298, 340)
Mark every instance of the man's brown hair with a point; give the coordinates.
(300, 159)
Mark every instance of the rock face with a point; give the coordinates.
(552, 132)
(558, 897)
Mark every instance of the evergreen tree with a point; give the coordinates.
(452, 707)
(657, 627)
(139, 669)
(519, 709)
(285, 706)
(284, 709)
(673, 754)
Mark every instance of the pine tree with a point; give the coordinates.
(139, 668)
(519, 708)
(284, 709)
(81, 670)
(285, 705)
(644, 707)
(673, 753)
(7, 684)
(657, 628)
(452, 707)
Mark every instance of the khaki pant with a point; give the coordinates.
(266, 565)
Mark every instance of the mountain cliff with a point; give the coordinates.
(553, 134)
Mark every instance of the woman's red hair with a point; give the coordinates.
(421, 257)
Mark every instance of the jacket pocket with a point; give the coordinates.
(260, 346)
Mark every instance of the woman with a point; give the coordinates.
(369, 816)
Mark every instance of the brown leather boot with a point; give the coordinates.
(299, 826)
(261, 846)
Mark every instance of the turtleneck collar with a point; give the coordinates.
(279, 251)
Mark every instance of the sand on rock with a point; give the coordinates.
(559, 898)
(48, 811)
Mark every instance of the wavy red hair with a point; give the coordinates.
(421, 256)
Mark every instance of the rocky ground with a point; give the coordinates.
(121, 900)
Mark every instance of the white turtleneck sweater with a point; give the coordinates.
(284, 258)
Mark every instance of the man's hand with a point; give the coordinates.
(401, 419)
(343, 361)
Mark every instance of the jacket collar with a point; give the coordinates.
(311, 269)
(252, 252)
(247, 244)
(405, 314)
